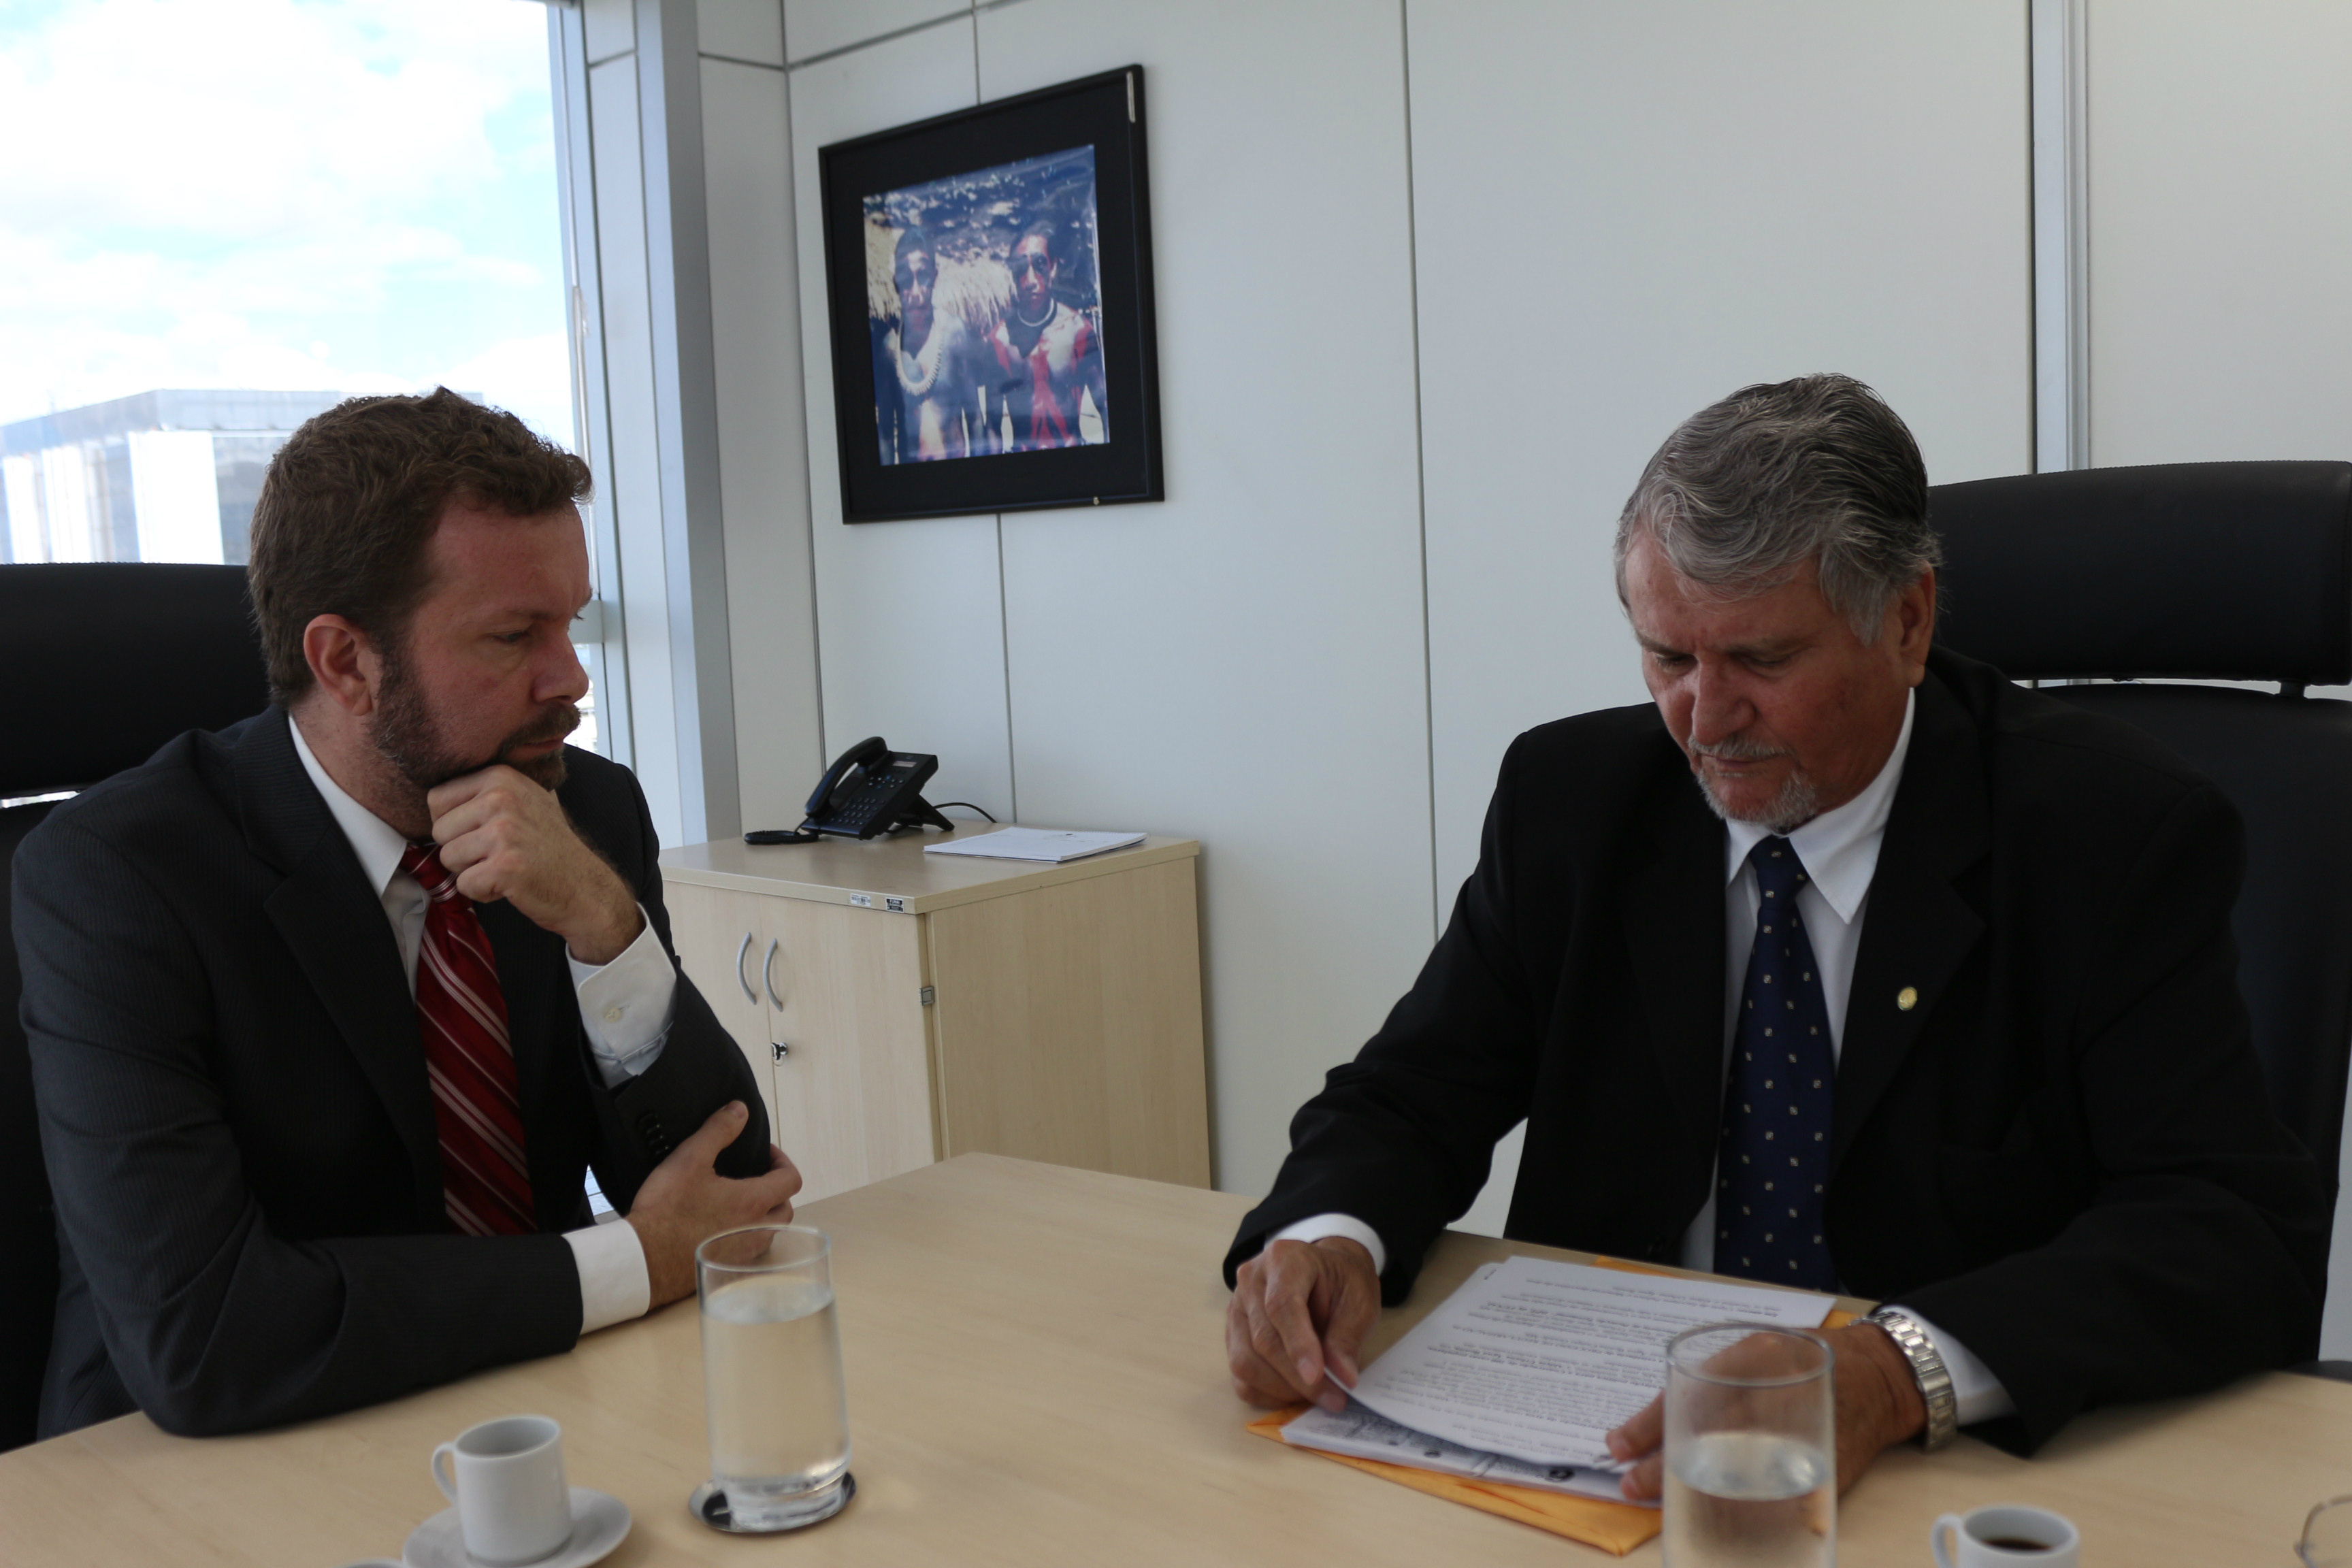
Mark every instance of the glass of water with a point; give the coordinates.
(772, 1378)
(1751, 1448)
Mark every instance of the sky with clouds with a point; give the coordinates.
(357, 195)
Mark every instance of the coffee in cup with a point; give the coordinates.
(2005, 1535)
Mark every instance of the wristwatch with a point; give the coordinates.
(1929, 1369)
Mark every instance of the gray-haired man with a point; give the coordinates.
(1926, 991)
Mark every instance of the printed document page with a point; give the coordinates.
(1539, 1361)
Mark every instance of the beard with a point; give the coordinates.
(1796, 803)
(407, 736)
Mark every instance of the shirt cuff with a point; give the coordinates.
(1975, 1392)
(627, 1005)
(1346, 1224)
(614, 1285)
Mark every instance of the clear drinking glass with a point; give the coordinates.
(1751, 1449)
(2327, 1535)
(771, 1376)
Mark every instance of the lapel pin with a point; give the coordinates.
(1907, 998)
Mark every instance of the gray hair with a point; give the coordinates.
(1819, 469)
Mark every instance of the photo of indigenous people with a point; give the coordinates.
(982, 294)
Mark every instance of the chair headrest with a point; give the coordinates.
(2217, 571)
(107, 661)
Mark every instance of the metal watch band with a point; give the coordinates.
(1928, 1371)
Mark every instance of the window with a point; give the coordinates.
(220, 218)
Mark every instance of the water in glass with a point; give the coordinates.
(779, 1420)
(1758, 1500)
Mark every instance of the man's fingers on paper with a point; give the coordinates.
(1280, 1353)
(1355, 1307)
(1639, 1439)
(1641, 1435)
(1645, 1480)
(1292, 1284)
(1253, 1379)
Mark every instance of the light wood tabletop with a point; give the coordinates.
(1036, 1376)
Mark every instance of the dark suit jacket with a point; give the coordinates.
(2061, 1154)
(233, 1106)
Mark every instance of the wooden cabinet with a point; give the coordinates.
(898, 1008)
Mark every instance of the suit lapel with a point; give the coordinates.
(1917, 929)
(1674, 925)
(334, 925)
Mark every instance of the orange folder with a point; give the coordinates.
(1614, 1527)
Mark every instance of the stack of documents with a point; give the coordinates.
(1518, 1378)
(1035, 844)
(1538, 1362)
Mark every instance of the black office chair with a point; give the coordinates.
(2210, 571)
(104, 663)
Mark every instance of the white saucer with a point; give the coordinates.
(599, 1523)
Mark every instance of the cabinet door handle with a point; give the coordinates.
(749, 995)
(768, 971)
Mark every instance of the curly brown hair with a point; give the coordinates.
(351, 501)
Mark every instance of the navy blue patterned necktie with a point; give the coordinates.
(1774, 1165)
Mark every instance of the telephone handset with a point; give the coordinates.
(870, 790)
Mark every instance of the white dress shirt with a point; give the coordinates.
(1839, 852)
(625, 1005)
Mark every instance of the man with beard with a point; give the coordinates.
(926, 373)
(330, 1010)
(1045, 353)
(1925, 992)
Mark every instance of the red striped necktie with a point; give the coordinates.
(462, 1014)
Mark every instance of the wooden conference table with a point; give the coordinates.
(1036, 1376)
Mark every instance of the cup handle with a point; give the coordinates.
(447, 1483)
(1950, 1521)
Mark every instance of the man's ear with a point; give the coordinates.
(1915, 626)
(343, 662)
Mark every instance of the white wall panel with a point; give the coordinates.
(763, 438)
(748, 30)
(611, 27)
(2220, 156)
(1243, 662)
(1624, 212)
(909, 614)
(821, 26)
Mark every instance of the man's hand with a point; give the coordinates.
(1878, 1406)
(1299, 1312)
(684, 1201)
(504, 837)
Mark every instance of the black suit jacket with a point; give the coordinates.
(233, 1106)
(2061, 1154)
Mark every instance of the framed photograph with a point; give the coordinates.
(988, 279)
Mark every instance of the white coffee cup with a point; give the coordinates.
(2006, 1535)
(513, 1506)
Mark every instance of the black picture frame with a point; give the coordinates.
(891, 471)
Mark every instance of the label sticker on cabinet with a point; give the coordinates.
(863, 900)
(895, 906)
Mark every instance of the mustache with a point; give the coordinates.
(1735, 749)
(559, 720)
